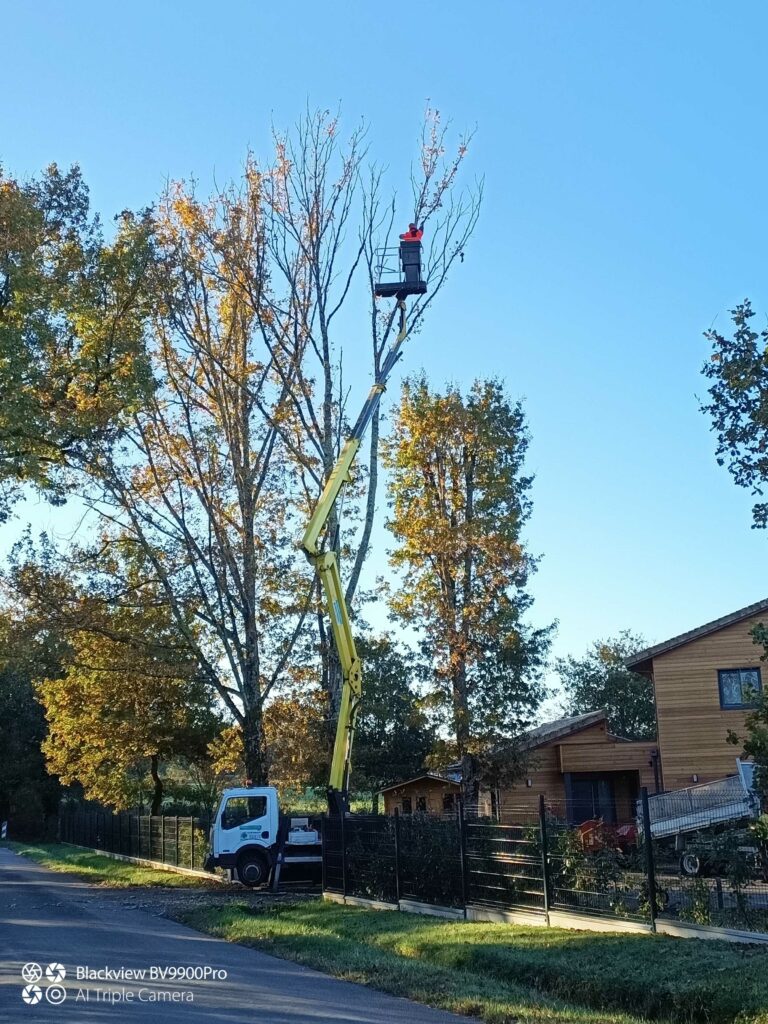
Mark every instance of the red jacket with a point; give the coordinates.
(412, 235)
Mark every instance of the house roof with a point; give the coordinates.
(527, 741)
(642, 660)
(559, 728)
(432, 776)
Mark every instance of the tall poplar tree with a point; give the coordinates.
(460, 499)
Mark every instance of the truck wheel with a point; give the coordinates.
(252, 869)
(690, 865)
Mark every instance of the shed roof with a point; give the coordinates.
(642, 660)
(432, 776)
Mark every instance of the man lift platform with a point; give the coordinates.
(249, 834)
(398, 271)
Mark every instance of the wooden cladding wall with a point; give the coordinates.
(611, 757)
(692, 726)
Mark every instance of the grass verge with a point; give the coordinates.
(101, 870)
(506, 973)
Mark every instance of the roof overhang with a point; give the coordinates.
(642, 661)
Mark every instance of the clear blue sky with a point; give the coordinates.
(624, 150)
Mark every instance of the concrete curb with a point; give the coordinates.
(559, 919)
(158, 865)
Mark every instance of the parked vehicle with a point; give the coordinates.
(249, 835)
(692, 818)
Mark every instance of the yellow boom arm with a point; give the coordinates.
(327, 565)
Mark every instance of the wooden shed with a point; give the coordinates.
(430, 793)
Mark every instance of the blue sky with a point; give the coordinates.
(624, 151)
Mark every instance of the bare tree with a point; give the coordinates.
(215, 474)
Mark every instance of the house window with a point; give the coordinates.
(448, 803)
(739, 687)
(421, 804)
(407, 809)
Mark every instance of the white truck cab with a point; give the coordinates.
(248, 835)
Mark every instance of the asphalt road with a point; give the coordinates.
(52, 918)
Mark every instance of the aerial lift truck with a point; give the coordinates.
(249, 835)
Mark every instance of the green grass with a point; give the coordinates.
(101, 870)
(508, 973)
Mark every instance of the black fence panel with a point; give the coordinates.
(333, 855)
(504, 865)
(597, 868)
(371, 857)
(430, 860)
(178, 841)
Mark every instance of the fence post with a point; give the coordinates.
(192, 843)
(544, 854)
(397, 855)
(162, 838)
(343, 855)
(650, 873)
(177, 840)
(323, 850)
(463, 856)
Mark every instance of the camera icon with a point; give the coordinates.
(55, 972)
(32, 994)
(31, 972)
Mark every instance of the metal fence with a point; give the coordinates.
(541, 864)
(711, 855)
(179, 841)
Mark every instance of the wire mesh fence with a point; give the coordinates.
(542, 863)
(175, 840)
(710, 853)
(504, 864)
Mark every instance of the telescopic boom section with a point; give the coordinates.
(327, 565)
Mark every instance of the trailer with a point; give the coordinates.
(706, 807)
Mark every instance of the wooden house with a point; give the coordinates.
(581, 769)
(705, 682)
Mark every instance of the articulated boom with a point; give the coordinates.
(327, 565)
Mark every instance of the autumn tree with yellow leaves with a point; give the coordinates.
(460, 499)
(125, 696)
(215, 475)
(215, 329)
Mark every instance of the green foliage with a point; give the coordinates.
(697, 907)
(27, 792)
(125, 695)
(71, 345)
(600, 679)
(460, 500)
(393, 736)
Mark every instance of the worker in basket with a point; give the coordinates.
(413, 234)
(410, 254)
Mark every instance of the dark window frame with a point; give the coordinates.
(407, 805)
(742, 705)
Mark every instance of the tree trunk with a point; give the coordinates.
(157, 795)
(254, 749)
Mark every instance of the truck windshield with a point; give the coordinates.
(241, 809)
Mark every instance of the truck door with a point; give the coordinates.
(245, 819)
